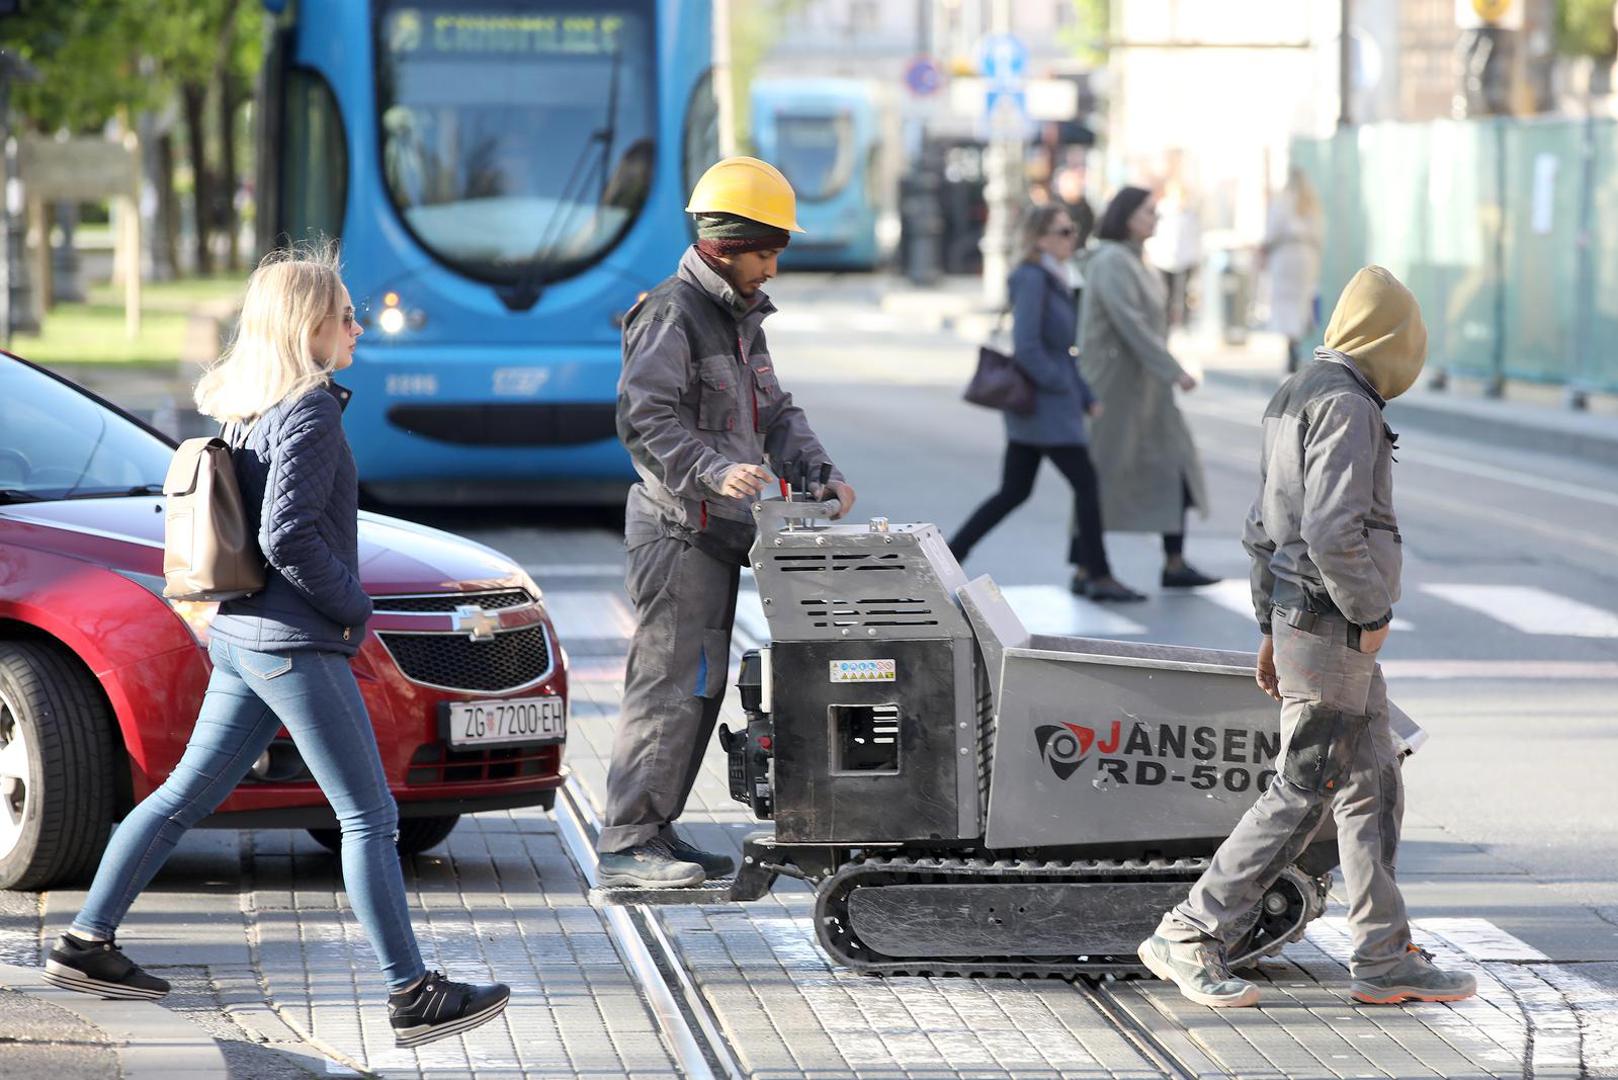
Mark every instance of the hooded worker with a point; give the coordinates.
(1326, 560)
(700, 409)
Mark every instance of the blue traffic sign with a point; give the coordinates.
(923, 76)
(1003, 59)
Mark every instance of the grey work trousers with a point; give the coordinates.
(674, 684)
(1337, 752)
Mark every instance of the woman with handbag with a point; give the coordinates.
(1043, 328)
(1150, 472)
(281, 656)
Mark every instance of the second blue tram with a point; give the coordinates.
(826, 136)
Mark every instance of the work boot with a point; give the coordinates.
(100, 968)
(1198, 968)
(651, 865)
(714, 865)
(1416, 978)
(437, 1008)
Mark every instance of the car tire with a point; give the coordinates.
(416, 835)
(57, 761)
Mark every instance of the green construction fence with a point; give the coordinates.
(1505, 229)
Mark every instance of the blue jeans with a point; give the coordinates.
(250, 697)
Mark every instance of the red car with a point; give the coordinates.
(101, 677)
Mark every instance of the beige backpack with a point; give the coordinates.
(208, 552)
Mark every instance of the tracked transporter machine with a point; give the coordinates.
(967, 798)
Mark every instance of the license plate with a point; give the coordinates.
(493, 723)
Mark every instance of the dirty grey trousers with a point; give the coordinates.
(674, 684)
(1337, 753)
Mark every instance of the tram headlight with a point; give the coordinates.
(391, 320)
(394, 316)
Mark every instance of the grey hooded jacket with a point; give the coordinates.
(301, 491)
(1322, 533)
(699, 394)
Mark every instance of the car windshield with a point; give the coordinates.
(517, 135)
(61, 444)
(816, 153)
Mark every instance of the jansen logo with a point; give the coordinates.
(1064, 747)
(1150, 754)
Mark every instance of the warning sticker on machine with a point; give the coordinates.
(863, 671)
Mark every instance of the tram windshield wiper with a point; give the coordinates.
(525, 292)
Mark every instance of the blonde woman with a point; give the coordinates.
(281, 656)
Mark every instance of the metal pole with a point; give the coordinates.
(1495, 385)
(1576, 394)
(1003, 187)
(724, 92)
(1345, 65)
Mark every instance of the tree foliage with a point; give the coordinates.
(1585, 28)
(95, 57)
(1092, 27)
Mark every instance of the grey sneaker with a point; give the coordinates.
(647, 866)
(714, 865)
(1416, 978)
(1198, 968)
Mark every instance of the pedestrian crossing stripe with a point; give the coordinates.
(1530, 610)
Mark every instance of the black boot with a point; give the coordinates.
(1110, 590)
(1185, 576)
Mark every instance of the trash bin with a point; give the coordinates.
(1235, 294)
(921, 227)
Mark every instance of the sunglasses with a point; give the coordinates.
(347, 317)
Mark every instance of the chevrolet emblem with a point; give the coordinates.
(475, 623)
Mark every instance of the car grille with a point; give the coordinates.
(455, 662)
(448, 602)
(438, 764)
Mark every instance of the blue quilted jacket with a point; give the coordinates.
(302, 495)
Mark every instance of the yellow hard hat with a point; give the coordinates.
(749, 188)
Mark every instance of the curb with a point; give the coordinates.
(151, 1042)
(1593, 439)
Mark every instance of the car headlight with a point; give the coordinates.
(531, 587)
(197, 616)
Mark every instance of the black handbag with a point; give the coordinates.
(998, 383)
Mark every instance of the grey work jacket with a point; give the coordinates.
(698, 394)
(1322, 532)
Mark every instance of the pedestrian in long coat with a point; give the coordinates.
(1292, 240)
(1142, 448)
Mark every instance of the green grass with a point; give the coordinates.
(93, 332)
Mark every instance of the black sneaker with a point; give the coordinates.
(438, 1008)
(100, 968)
(713, 864)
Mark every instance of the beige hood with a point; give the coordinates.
(1378, 324)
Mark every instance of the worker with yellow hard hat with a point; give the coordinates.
(702, 412)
